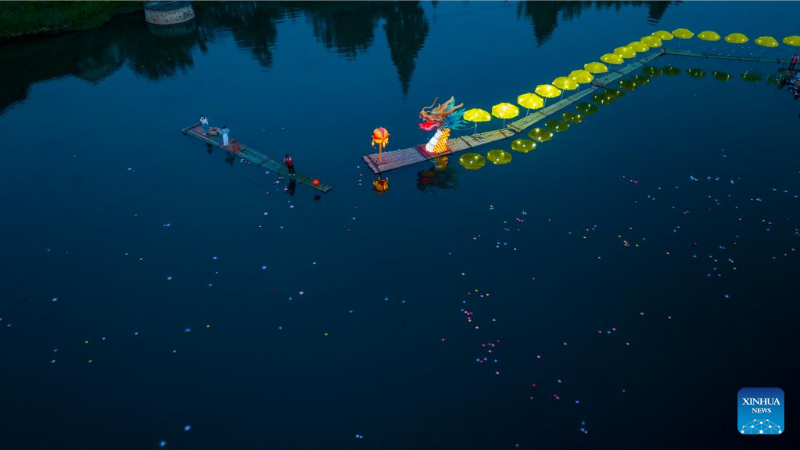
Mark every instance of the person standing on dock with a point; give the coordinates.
(793, 62)
(204, 124)
(289, 163)
(224, 132)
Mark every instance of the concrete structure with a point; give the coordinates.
(168, 13)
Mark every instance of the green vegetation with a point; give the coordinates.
(30, 18)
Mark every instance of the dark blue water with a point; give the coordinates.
(614, 288)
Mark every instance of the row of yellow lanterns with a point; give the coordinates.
(537, 99)
(733, 38)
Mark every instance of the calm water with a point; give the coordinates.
(608, 290)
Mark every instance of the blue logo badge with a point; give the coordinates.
(760, 411)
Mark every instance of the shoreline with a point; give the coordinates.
(22, 20)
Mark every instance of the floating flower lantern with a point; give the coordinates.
(472, 161)
(540, 134)
(499, 157)
(587, 109)
(523, 145)
(671, 70)
(573, 118)
(557, 125)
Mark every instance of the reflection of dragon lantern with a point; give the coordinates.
(440, 177)
(443, 118)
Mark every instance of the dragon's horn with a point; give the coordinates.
(434, 102)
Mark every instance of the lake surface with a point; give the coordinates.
(610, 289)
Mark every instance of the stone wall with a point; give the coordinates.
(171, 14)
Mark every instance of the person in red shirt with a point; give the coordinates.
(289, 163)
(794, 62)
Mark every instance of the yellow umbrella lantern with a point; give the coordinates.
(651, 41)
(565, 84)
(595, 67)
(625, 52)
(639, 46)
(611, 58)
(662, 35)
(709, 36)
(505, 111)
(547, 91)
(581, 76)
(766, 41)
(380, 136)
(736, 38)
(794, 41)
(530, 101)
(476, 115)
(682, 33)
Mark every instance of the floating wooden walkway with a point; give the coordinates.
(255, 157)
(726, 57)
(400, 158)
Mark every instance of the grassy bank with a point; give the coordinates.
(19, 19)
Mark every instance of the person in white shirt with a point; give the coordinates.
(224, 132)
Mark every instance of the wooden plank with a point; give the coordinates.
(725, 57)
(185, 130)
(264, 161)
(254, 156)
(369, 163)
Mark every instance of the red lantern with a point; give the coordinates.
(316, 183)
(381, 137)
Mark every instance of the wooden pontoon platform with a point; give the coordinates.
(725, 57)
(405, 157)
(400, 158)
(255, 157)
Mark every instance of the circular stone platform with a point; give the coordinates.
(168, 13)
